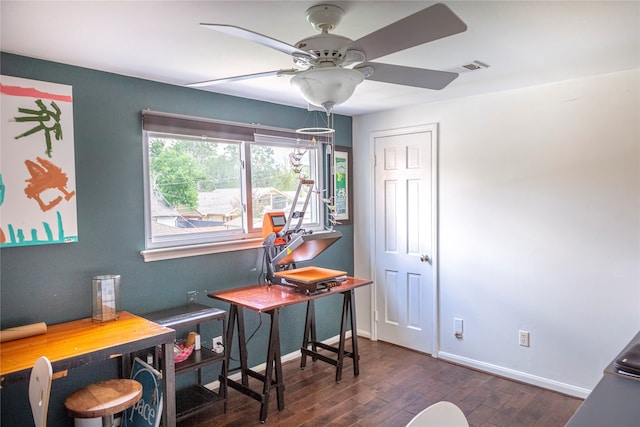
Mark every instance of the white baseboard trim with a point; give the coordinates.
(363, 334)
(547, 383)
(285, 358)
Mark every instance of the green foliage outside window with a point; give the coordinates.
(176, 174)
(180, 169)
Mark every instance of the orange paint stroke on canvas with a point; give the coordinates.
(46, 176)
(33, 93)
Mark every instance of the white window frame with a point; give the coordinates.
(207, 243)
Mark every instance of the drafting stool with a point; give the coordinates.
(103, 399)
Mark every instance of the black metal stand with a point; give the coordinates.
(195, 398)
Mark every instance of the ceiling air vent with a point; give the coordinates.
(475, 65)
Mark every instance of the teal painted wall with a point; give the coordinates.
(52, 283)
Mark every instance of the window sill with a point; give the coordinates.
(160, 254)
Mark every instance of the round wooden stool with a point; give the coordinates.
(103, 399)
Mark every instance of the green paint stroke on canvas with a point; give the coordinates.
(42, 116)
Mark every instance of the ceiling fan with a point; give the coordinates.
(331, 66)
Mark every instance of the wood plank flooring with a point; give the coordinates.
(394, 384)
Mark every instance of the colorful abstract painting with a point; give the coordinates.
(37, 164)
(342, 185)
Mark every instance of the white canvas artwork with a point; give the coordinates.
(37, 164)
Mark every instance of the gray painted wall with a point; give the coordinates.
(52, 283)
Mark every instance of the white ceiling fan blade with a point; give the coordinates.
(407, 76)
(258, 38)
(432, 23)
(276, 73)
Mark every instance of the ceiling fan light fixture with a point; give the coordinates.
(326, 87)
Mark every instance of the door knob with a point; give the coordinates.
(425, 258)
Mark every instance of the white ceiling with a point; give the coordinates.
(525, 43)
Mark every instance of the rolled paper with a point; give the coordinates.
(23, 331)
(191, 339)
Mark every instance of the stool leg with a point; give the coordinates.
(87, 422)
(107, 421)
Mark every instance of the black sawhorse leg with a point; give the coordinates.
(310, 339)
(274, 362)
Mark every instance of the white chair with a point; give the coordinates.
(40, 390)
(441, 414)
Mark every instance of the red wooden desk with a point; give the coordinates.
(80, 342)
(270, 299)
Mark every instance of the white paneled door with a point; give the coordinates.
(405, 236)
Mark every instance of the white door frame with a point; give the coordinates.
(435, 344)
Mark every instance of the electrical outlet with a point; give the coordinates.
(524, 338)
(457, 327)
(191, 296)
(218, 346)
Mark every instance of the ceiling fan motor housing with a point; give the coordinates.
(326, 47)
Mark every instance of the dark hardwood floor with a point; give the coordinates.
(394, 384)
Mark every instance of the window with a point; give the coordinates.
(210, 182)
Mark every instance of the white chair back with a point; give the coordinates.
(40, 390)
(441, 414)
